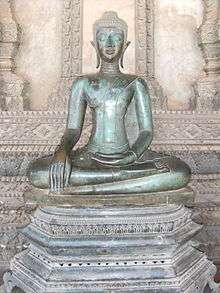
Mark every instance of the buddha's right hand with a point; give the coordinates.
(60, 169)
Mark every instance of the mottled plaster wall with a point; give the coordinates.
(39, 56)
(178, 59)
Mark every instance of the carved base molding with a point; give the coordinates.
(14, 213)
(117, 249)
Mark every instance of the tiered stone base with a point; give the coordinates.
(112, 248)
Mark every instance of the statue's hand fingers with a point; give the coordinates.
(56, 177)
(61, 177)
(127, 160)
(51, 177)
(67, 172)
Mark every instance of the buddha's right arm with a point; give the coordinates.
(60, 167)
(68, 140)
(76, 115)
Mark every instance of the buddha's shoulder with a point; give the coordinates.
(86, 79)
(90, 78)
(80, 79)
(135, 79)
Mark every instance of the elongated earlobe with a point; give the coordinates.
(97, 61)
(122, 56)
(97, 55)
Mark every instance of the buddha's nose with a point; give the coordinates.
(109, 42)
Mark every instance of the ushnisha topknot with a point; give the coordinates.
(110, 19)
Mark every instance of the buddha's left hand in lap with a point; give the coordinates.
(115, 160)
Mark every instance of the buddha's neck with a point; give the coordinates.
(110, 68)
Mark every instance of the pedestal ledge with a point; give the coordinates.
(43, 197)
(111, 243)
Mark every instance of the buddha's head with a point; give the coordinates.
(110, 37)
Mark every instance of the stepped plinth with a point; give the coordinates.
(105, 244)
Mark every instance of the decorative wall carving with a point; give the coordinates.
(72, 38)
(208, 86)
(25, 130)
(11, 85)
(71, 52)
(144, 35)
(144, 51)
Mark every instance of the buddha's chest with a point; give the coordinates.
(108, 97)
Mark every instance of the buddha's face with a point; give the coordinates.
(110, 43)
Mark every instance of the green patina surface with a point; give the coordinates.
(116, 159)
(45, 198)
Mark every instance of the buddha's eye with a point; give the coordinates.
(102, 38)
(117, 38)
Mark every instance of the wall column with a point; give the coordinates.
(208, 85)
(11, 85)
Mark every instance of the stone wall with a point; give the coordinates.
(44, 46)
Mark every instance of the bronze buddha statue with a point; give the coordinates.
(108, 163)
